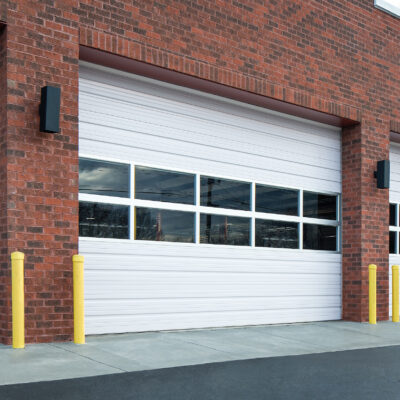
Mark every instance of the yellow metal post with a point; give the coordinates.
(395, 293)
(79, 317)
(372, 293)
(18, 301)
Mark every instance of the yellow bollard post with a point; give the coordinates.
(395, 293)
(79, 316)
(372, 293)
(18, 300)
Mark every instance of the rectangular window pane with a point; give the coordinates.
(392, 214)
(103, 220)
(104, 178)
(319, 237)
(317, 205)
(224, 193)
(220, 229)
(275, 200)
(162, 185)
(392, 242)
(278, 234)
(164, 225)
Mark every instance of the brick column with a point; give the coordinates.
(365, 218)
(42, 168)
(4, 271)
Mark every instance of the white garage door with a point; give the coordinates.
(394, 199)
(197, 211)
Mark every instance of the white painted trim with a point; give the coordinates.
(390, 6)
(253, 217)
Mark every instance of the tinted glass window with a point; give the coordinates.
(319, 237)
(103, 220)
(164, 225)
(392, 242)
(275, 200)
(317, 205)
(161, 185)
(277, 234)
(392, 214)
(220, 229)
(104, 178)
(224, 193)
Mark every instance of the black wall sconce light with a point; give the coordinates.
(49, 109)
(382, 174)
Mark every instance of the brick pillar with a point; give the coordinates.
(365, 218)
(42, 168)
(4, 270)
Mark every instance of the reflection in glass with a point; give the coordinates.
(392, 214)
(103, 220)
(392, 242)
(319, 237)
(279, 234)
(224, 193)
(164, 225)
(275, 200)
(317, 205)
(104, 178)
(220, 229)
(162, 185)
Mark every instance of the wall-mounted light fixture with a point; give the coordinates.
(49, 109)
(382, 174)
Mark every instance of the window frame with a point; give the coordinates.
(388, 7)
(395, 228)
(198, 209)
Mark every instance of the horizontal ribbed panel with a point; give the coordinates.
(140, 286)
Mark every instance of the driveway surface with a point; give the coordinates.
(319, 360)
(357, 374)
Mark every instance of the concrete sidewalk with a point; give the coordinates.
(109, 354)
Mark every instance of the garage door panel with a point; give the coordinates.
(133, 285)
(185, 147)
(170, 284)
(154, 306)
(209, 264)
(121, 251)
(154, 322)
(268, 155)
(154, 122)
(141, 290)
(207, 147)
(133, 115)
(151, 95)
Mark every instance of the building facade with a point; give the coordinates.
(214, 164)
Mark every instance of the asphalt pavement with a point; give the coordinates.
(365, 374)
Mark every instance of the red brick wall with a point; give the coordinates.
(4, 271)
(339, 57)
(365, 219)
(42, 169)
